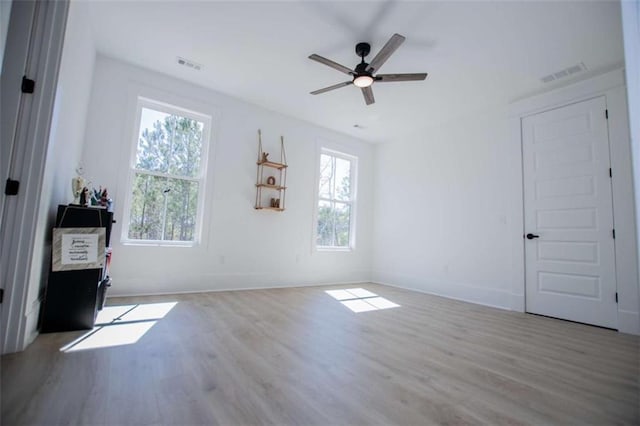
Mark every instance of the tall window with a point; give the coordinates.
(167, 174)
(336, 200)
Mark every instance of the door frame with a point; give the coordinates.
(28, 117)
(603, 310)
(611, 85)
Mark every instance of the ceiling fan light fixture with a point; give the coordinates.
(363, 81)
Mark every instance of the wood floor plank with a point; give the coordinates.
(298, 356)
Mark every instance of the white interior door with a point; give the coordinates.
(569, 245)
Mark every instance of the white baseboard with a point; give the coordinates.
(517, 302)
(193, 282)
(629, 322)
(31, 324)
(504, 296)
(220, 289)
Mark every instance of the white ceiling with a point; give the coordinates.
(478, 55)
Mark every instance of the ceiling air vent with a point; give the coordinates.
(574, 69)
(189, 64)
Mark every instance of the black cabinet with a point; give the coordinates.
(73, 298)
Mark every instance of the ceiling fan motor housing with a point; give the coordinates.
(361, 69)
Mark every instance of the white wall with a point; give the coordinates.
(241, 247)
(443, 215)
(452, 220)
(5, 12)
(631, 34)
(65, 145)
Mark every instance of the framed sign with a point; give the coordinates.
(78, 248)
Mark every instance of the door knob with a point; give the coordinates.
(532, 236)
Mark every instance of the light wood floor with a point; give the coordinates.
(297, 356)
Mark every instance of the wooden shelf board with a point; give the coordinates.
(271, 164)
(278, 209)
(266, 185)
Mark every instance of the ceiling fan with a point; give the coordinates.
(363, 76)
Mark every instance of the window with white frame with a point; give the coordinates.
(167, 175)
(336, 200)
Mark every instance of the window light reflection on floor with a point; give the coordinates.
(120, 325)
(361, 300)
(110, 335)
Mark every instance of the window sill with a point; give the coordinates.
(146, 243)
(333, 249)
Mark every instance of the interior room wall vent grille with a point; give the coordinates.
(189, 64)
(574, 69)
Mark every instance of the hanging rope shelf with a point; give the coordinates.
(271, 189)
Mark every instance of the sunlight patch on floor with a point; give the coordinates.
(120, 325)
(108, 314)
(361, 300)
(111, 335)
(149, 311)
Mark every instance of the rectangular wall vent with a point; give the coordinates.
(564, 73)
(189, 64)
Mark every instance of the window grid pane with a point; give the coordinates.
(325, 233)
(163, 209)
(326, 175)
(342, 219)
(342, 179)
(169, 143)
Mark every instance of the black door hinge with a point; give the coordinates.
(613, 231)
(616, 297)
(606, 114)
(1, 294)
(28, 85)
(610, 172)
(11, 188)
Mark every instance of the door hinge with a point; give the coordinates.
(606, 114)
(616, 297)
(28, 85)
(610, 172)
(1, 294)
(11, 188)
(613, 232)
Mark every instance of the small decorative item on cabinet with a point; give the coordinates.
(270, 192)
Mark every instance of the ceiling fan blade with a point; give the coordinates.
(387, 50)
(368, 95)
(388, 78)
(335, 86)
(331, 64)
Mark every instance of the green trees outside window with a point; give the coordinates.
(166, 177)
(335, 201)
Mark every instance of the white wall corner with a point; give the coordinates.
(491, 297)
